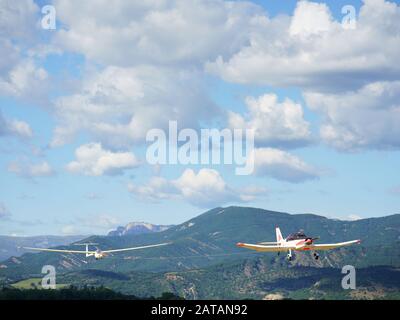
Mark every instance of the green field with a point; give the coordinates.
(33, 283)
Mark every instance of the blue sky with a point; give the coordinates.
(76, 104)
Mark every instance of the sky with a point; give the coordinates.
(318, 82)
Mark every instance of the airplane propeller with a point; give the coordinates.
(311, 240)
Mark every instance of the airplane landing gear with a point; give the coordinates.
(316, 256)
(290, 256)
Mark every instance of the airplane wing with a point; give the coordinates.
(262, 247)
(332, 245)
(135, 248)
(268, 243)
(57, 250)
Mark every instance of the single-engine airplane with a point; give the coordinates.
(98, 254)
(296, 241)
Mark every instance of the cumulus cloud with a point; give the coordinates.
(152, 54)
(354, 87)
(282, 165)
(119, 105)
(20, 128)
(93, 160)
(311, 50)
(310, 19)
(273, 122)
(20, 75)
(14, 127)
(25, 80)
(365, 118)
(203, 189)
(155, 32)
(31, 170)
(157, 188)
(18, 19)
(206, 188)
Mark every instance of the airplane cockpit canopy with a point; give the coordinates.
(296, 236)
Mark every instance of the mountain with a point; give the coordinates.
(210, 239)
(247, 279)
(10, 246)
(134, 228)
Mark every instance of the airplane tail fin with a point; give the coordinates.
(87, 244)
(279, 237)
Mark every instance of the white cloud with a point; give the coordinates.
(152, 54)
(154, 32)
(14, 127)
(93, 160)
(203, 189)
(26, 80)
(365, 118)
(20, 128)
(157, 188)
(311, 50)
(119, 105)
(29, 170)
(282, 165)
(20, 76)
(206, 188)
(18, 19)
(351, 76)
(310, 19)
(273, 122)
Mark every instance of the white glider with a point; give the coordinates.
(98, 254)
(296, 241)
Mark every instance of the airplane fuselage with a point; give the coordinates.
(296, 241)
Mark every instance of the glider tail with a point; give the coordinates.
(88, 254)
(279, 237)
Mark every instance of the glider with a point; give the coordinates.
(98, 254)
(296, 241)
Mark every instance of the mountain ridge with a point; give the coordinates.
(210, 238)
(139, 227)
